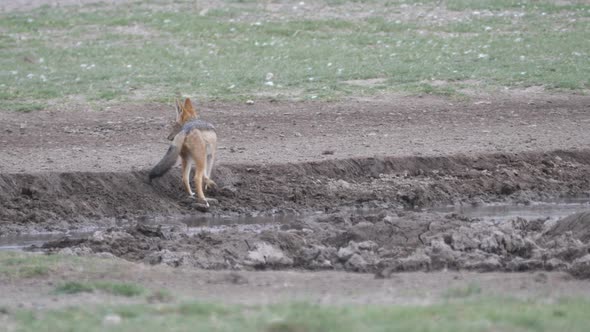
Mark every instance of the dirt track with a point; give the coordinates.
(126, 138)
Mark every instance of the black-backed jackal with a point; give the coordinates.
(195, 141)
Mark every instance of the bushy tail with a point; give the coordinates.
(169, 158)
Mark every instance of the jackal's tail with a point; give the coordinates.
(169, 158)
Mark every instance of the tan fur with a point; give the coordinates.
(198, 147)
(195, 150)
(185, 112)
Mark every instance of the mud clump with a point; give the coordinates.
(578, 224)
(267, 256)
(580, 267)
(516, 245)
(358, 257)
(352, 243)
(384, 243)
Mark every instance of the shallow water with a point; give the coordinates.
(551, 210)
(212, 221)
(20, 242)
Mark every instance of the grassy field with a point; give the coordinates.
(74, 281)
(481, 315)
(155, 50)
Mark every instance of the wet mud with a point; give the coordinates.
(383, 243)
(376, 215)
(48, 200)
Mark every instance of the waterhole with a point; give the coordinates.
(208, 223)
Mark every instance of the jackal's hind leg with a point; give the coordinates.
(209, 183)
(186, 170)
(199, 175)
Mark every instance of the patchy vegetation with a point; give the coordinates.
(238, 50)
(115, 288)
(17, 266)
(356, 183)
(492, 314)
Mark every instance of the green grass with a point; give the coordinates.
(148, 52)
(19, 265)
(115, 288)
(160, 295)
(545, 6)
(74, 287)
(470, 290)
(460, 309)
(488, 315)
(16, 265)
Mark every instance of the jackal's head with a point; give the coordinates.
(184, 113)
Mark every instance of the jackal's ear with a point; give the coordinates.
(178, 107)
(188, 107)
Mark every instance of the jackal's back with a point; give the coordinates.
(196, 124)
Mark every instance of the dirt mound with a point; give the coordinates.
(577, 224)
(355, 215)
(516, 245)
(47, 198)
(581, 267)
(339, 241)
(383, 243)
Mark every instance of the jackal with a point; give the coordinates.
(194, 140)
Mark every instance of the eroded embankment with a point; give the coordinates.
(383, 242)
(70, 198)
(325, 229)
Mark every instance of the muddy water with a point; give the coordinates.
(552, 210)
(20, 242)
(212, 221)
(195, 224)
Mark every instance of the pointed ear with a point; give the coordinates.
(178, 107)
(188, 107)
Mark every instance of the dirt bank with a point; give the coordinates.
(76, 199)
(359, 215)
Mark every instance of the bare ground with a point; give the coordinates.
(325, 287)
(132, 137)
(348, 178)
